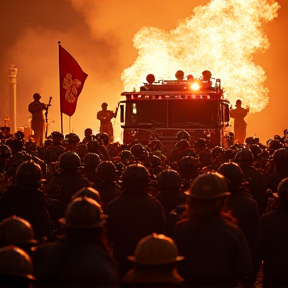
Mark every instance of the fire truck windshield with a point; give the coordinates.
(146, 112)
(198, 112)
(166, 113)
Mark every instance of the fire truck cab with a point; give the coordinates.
(161, 109)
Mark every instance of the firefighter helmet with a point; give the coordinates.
(155, 145)
(183, 134)
(5, 152)
(155, 249)
(47, 143)
(126, 156)
(16, 145)
(135, 175)
(88, 132)
(208, 186)
(229, 154)
(188, 164)
(19, 135)
(106, 171)
(155, 161)
(249, 140)
(20, 157)
(102, 138)
(56, 134)
(91, 160)
(244, 155)
(88, 192)
(14, 262)
(93, 146)
(169, 178)
(217, 151)
(29, 173)
(280, 156)
(256, 150)
(138, 150)
(69, 159)
(283, 190)
(274, 145)
(232, 172)
(83, 213)
(48, 155)
(15, 230)
(42, 164)
(72, 138)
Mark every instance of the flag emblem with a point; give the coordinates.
(72, 87)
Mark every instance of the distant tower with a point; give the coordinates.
(12, 98)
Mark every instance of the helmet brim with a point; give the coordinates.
(143, 262)
(96, 225)
(224, 194)
(135, 275)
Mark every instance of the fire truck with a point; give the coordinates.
(159, 110)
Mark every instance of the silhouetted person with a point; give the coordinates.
(215, 250)
(66, 182)
(17, 231)
(239, 124)
(241, 203)
(82, 257)
(27, 201)
(105, 116)
(155, 259)
(16, 268)
(170, 195)
(280, 163)
(132, 215)
(88, 135)
(36, 108)
(105, 182)
(256, 181)
(272, 242)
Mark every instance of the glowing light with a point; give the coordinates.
(221, 37)
(195, 86)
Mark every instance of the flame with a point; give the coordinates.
(221, 37)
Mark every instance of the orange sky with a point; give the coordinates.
(99, 35)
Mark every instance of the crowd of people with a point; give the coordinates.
(91, 213)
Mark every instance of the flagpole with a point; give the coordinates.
(61, 114)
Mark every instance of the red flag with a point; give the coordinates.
(72, 80)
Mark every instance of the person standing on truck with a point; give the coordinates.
(239, 124)
(105, 116)
(36, 108)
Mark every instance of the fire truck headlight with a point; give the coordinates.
(195, 86)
